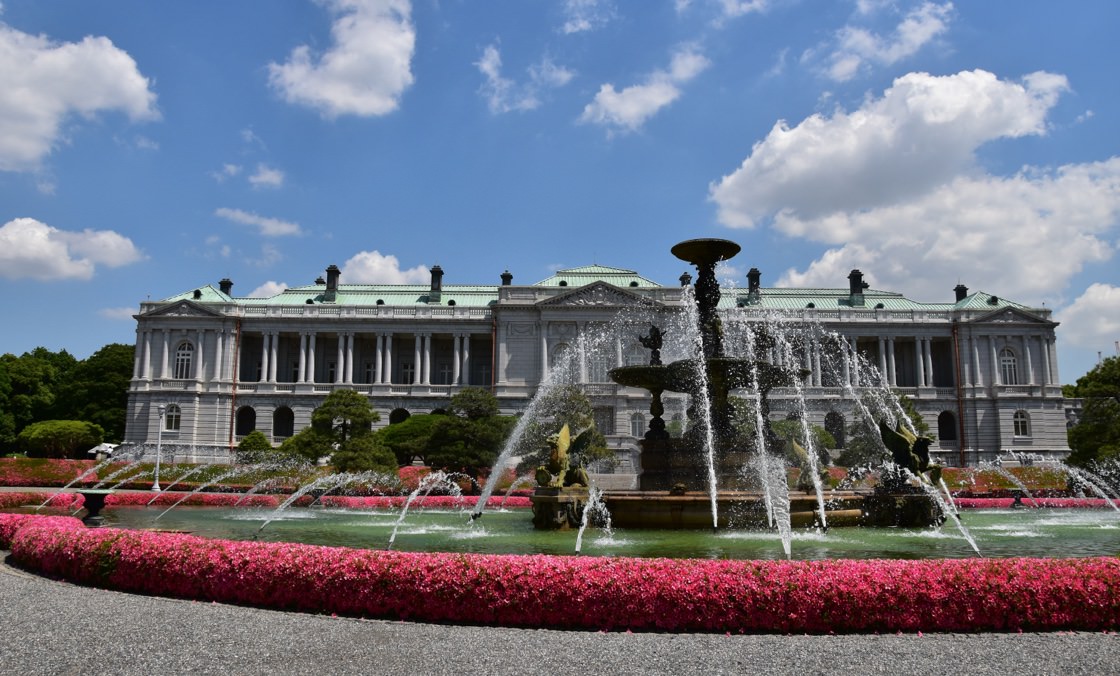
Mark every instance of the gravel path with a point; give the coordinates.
(49, 627)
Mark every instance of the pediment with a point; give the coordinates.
(183, 308)
(598, 294)
(1010, 315)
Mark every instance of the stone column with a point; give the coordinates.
(301, 377)
(997, 378)
(349, 379)
(845, 360)
(387, 361)
(818, 377)
(340, 358)
(929, 361)
(919, 360)
(1029, 366)
(138, 352)
(1045, 344)
(378, 356)
(883, 377)
(311, 357)
(456, 356)
(163, 370)
(219, 354)
(465, 371)
(976, 360)
(855, 361)
(427, 343)
(265, 351)
(544, 351)
(274, 356)
(416, 355)
(199, 372)
(892, 368)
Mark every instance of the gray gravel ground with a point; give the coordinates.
(49, 627)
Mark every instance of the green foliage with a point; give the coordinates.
(564, 405)
(309, 444)
(1097, 434)
(60, 438)
(254, 448)
(864, 446)
(97, 390)
(466, 445)
(793, 431)
(474, 403)
(364, 454)
(408, 439)
(343, 415)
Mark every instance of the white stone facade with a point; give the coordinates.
(982, 370)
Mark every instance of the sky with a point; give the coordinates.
(148, 148)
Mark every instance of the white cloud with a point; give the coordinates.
(119, 313)
(893, 189)
(43, 83)
(145, 143)
(858, 46)
(35, 250)
(922, 133)
(227, 171)
(371, 267)
(269, 227)
(365, 70)
(736, 8)
(628, 110)
(503, 95)
(268, 290)
(586, 15)
(1092, 320)
(267, 177)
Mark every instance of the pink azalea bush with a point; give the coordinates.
(585, 592)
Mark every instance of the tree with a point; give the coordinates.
(474, 403)
(309, 444)
(563, 405)
(1096, 436)
(408, 439)
(467, 445)
(254, 448)
(97, 390)
(343, 415)
(364, 454)
(60, 438)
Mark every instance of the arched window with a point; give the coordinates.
(184, 355)
(834, 425)
(637, 425)
(172, 418)
(398, 415)
(246, 421)
(947, 426)
(597, 369)
(283, 423)
(1022, 424)
(561, 356)
(1007, 367)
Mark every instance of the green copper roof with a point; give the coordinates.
(589, 274)
(203, 294)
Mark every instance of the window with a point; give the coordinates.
(246, 421)
(947, 426)
(369, 372)
(637, 425)
(408, 371)
(283, 423)
(1022, 423)
(183, 357)
(330, 371)
(445, 374)
(834, 425)
(597, 369)
(604, 420)
(172, 418)
(561, 356)
(1007, 369)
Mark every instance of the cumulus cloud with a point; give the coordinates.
(1092, 320)
(737, 8)
(268, 290)
(922, 132)
(504, 95)
(372, 267)
(858, 46)
(365, 70)
(586, 15)
(30, 249)
(43, 83)
(628, 110)
(269, 227)
(126, 314)
(266, 177)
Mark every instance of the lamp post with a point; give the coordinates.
(159, 445)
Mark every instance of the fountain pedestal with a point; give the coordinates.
(558, 508)
(94, 502)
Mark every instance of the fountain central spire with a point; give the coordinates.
(705, 254)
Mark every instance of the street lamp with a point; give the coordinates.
(159, 445)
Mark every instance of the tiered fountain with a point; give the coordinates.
(712, 476)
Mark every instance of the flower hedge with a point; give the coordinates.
(428, 501)
(75, 500)
(583, 592)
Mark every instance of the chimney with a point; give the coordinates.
(437, 284)
(225, 286)
(856, 285)
(961, 291)
(333, 274)
(754, 284)
(686, 279)
(507, 278)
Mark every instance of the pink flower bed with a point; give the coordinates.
(428, 501)
(584, 592)
(996, 503)
(195, 500)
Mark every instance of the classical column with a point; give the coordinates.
(416, 355)
(544, 351)
(855, 361)
(1029, 364)
(1045, 344)
(311, 357)
(976, 360)
(845, 360)
(427, 346)
(378, 350)
(266, 338)
(349, 379)
(219, 354)
(340, 358)
(465, 371)
(996, 379)
(456, 356)
(818, 378)
(273, 356)
(301, 377)
(882, 360)
(163, 369)
(919, 360)
(929, 361)
(892, 368)
(138, 352)
(965, 352)
(199, 372)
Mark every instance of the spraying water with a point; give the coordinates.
(426, 485)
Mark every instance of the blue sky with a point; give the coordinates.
(147, 148)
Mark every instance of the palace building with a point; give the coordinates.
(212, 367)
